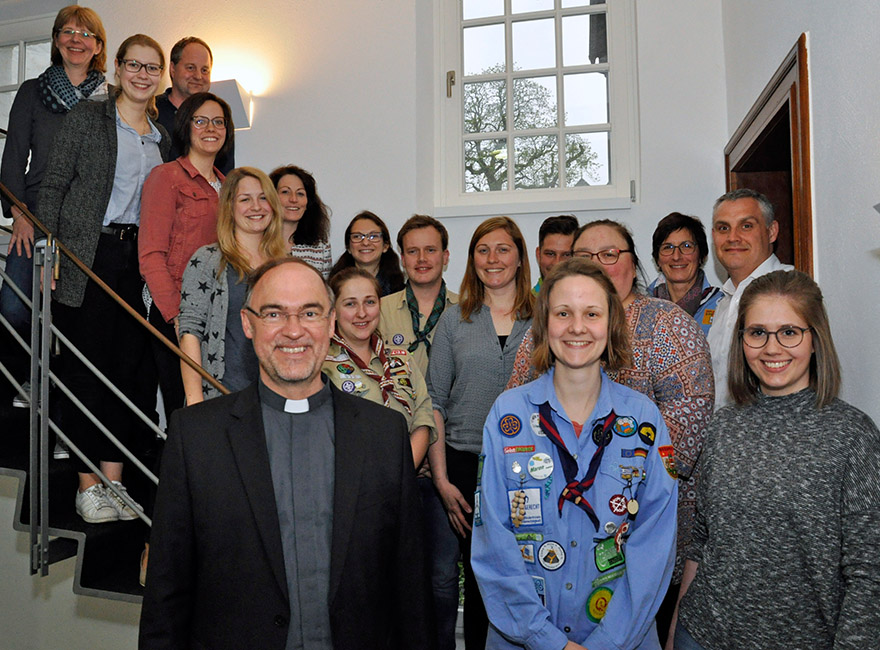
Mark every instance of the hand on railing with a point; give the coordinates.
(22, 233)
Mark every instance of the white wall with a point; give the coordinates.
(343, 88)
(843, 55)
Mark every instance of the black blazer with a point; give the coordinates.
(216, 575)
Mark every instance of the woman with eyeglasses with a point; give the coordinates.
(77, 72)
(785, 543)
(358, 362)
(472, 355)
(574, 543)
(178, 216)
(306, 218)
(91, 198)
(368, 247)
(215, 282)
(671, 365)
(680, 249)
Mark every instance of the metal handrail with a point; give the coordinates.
(104, 287)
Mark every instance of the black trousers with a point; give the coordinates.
(167, 364)
(461, 468)
(118, 346)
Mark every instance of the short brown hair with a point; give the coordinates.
(805, 297)
(616, 354)
(472, 290)
(178, 47)
(89, 19)
(183, 122)
(422, 221)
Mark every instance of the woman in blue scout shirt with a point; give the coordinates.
(785, 541)
(359, 363)
(574, 524)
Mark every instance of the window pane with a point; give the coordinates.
(483, 49)
(580, 3)
(485, 107)
(523, 6)
(9, 65)
(534, 44)
(586, 98)
(485, 165)
(536, 162)
(583, 40)
(481, 8)
(36, 58)
(534, 103)
(586, 159)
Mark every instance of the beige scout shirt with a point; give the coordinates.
(408, 379)
(395, 325)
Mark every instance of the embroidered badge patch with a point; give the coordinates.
(540, 588)
(345, 368)
(509, 425)
(599, 434)
(535, 424)
(607, 556)
(708, 316)
(597, 603)
(528, 553)
(519, 449)
(478, 519)
(667, 453)
(647, 433)
(617, 503)
(625, 426)
(348, 386)
(551, 555)
(397, 339)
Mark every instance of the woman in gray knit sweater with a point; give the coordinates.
(785, 545)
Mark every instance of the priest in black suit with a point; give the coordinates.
(287, 514)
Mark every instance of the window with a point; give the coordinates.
(19, 61)
(538, 107)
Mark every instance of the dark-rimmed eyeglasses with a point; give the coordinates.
(70, 33)
(607, 257)
(273, 317)
(685, 248)
(789, 336)
(358, 237)
(133, 66)
(200, 122)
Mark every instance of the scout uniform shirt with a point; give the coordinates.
(396, 325)
(408, 381)
(592, 567)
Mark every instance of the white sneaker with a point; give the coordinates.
(60, 452)
(123, 510)
(20, 402)
(94, 506)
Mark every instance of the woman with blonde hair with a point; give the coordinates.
(791, 468)
(249, 232)
(472, 355)
(577, 492)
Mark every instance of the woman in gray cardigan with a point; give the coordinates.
(90, 199)
(249, 232)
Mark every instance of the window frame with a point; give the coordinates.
(451, 200)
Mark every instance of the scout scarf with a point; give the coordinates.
(694, 297)
(436, 310)
(58, 95)
(575, 489)
(386, 383)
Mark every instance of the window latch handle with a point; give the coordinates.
(450, 82)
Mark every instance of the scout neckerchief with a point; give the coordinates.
(574, 489)
(436, 310)
(386, 383)
(693, 298)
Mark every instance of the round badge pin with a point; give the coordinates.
(397, 339)
(535, 423)
(516, 468)
(625, 426)
(551, 555)
(597, 603)
(540, 466)
(348, 386)
(509, 425)
(617, 504)
(610, 528)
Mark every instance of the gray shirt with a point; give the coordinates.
(786, 528)
(467, 371)
(242, 367)
(303, 478)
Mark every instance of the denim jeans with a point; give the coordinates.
(683, 639)
(441, 546)
(21, 270)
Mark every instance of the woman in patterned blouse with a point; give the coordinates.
(671, 365)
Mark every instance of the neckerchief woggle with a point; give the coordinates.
(575, 489)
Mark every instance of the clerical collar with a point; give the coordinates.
(280, 403)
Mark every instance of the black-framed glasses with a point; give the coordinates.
(133, 66)
(358, 237)
(607, 257)
(70, 33)
(685, 248)
(789, 336)
(200, 122)
(274, 317)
